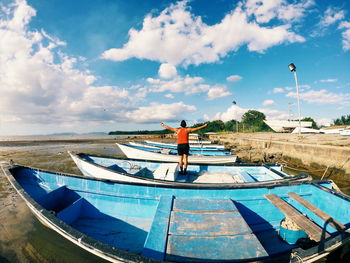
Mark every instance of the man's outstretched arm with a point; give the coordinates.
(197, 128)
(168, 127)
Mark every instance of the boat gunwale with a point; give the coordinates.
(174, 184)
(220, 159)
(164, 146)
(80, 239)
(113, 254)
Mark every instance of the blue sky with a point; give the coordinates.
(82, 66)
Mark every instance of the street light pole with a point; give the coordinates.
(293, 69)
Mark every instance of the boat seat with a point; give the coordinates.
(314, 231)
(58, 199)
(246, 177)
(323, 215)
(210, 230)
(155, 244)
(166, 171)
(165, 151)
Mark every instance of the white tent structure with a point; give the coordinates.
(287, 126)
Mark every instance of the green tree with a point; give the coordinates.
(231, 125)
(213, 126)
(343, 120)
(254, 120)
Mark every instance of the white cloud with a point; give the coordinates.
(187, 85)
(234, 112)
(345, 35)
(278, 90)
(328, 80)
(234, 78)
(324, 122)
(268, 103)
(266, 10)
(176, 29)
(167, 71)
(331, 16)
(322, 96)
(274, 114)
(169, 96)
(159, 112)
(40, 84)
(218, 91)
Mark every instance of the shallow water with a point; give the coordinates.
(23, 238)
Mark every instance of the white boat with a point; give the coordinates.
(135, 153)
(345, 132)
(192, 145)
(199, 142)
(173, 149)
(159, 173)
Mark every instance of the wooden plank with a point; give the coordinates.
(212, 224)
(203, 205)
(314, 231)
(155, 244)
(214, 248)
(203, 230)
(323, 215)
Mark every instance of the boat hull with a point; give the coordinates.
(135, 153)
(131, 222)
(193, 145)
(128, 170)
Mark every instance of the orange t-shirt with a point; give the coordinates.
(182, 136)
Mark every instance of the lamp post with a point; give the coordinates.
(293, 69)
(234, 103)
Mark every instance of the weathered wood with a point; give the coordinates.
(155, 245)
(203, 205)
(209, 230)
(211, 224)
(236, 248)
(313, 230)
(323, 215)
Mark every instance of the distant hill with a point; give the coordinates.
(139, 132)
(74, 133)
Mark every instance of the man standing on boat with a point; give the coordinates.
(183, 146)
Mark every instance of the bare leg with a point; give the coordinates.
(181, 163)
(185, 160)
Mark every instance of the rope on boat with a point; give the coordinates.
(295, 255)
(303, 170)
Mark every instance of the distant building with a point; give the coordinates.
(335, 129)
(287, 126)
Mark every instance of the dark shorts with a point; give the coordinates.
(183, 148)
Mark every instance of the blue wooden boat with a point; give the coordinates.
(133, 222)
(173, 150)
(153, 172)
(156, 154)
(198, 148)
(192, 145)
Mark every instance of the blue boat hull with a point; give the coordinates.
(153, 172)
(140, 222)
(202, 152)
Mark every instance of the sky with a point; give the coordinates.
(104, 65)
